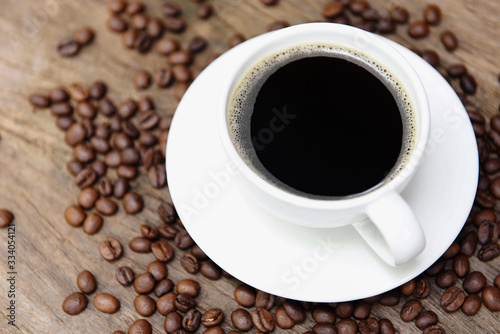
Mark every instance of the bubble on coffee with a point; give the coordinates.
(244, 95)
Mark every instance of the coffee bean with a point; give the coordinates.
(370, 14)
(263, 320)
(57, 94)
(68, 47)
(245, 295)
(61, 109)
(179, 90)
(174, 24)
(116, 6)
(84, 36)
(277, 25)
(410, 310)
(110, 249)
(295, 311)
(474, 282)
(168, 231)
(432, 14)
(497, 281)
(149, 232)
(117, 23)
(210, 270)
(74, 215)
(140, 326)
(434, 329)
(39, 101)
(127, 172)
(479, 130)
(436, 268)
(408, 288)
(332, 9)
(422, 288)
(167, 45)
(446, 279)
(170, 8)
(361, 310)
(85, 178)
(491, 298)
(358, 6)
(390, 298)
(86, 282)
(158, 269)
(162, 250)
(191, 320)
(282, 319)
(431, 57)
(173, 322)
(452, 299)
(87, 197)
(494, 138)
(468, 243)
(487, 232)
(147, 139)
(204, 11)
(105, 187)
(106, 107)
(236, 39)
(472, 304)
(106, 206)
(484, 183)
(489, 252)
(6, 217)
(456, 71)
(344, 309)
(120, 188)
(215, 316)
(132, 203)
(83, 153)
(468, 84)
(130, 156)
(183, 240)
(167, 213)
(386, 326)
(494, 186)
(461, 265)
(78, 92)
(386, 26)
(144, 305)
(426, 319)
(99, 145)
(347, 326)
(484, 199)
(215, 330)
(180, 57)
(399, 14)
(127, 109)
(106, 303)
(418, 29)
(188, 287)
(125, 276)
(144, 283)
(482, 146)
(163, 77)
(140, 245)
(142, 79)
(368, 326)
(266, 300)
(64, 122)
(269, 2)
(184, 303)
(166, 303)
(197, 44)
(181, 73)
(449, 40)
(190, 263)
(162, 287)
(75, 303)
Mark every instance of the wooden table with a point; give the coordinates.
(36, 186)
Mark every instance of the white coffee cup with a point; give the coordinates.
(381, 215)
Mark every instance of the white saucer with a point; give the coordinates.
(321, 265)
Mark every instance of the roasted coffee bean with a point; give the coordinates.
(132, 203)
(245, 295)
(179, 90)
(210, 270)
(75, 134)
(236, 39)
(204, 11)
(99, 167)
(468, 243)
(452, 251)
(370, 14)
(347, 326)
(180, 57)
(168, 231)
(120, 188)
(106, 107)
(122, 140)
(283, 320)
(162, 287)
(479, 130)
(197, 44)
(332, 9)
(92, 223)
(494, 185)
(452, 299)
(436, 268)
(181, 73)
(167, 213)
(127, 109)
(170, 8)
(461, 265)
(184, 303)
(472, 304)
(434, 329)
(85, 178)
(277, 25)
(166, 303)
(484, 183)
(344, 309)
(188, 287)
(487, 232)
(426, 319)
(57, 94)
(144, 305)
(295, 311)
(112, 159)
(183, 240)
(86, 282)
(446, 279)
(174, 24)
(148, 120)
(491, 298)
(64, 122)
(399, 14)
(87, 197)
(144, 283)
(110, 249)
(269, 2)
(214, 317)
(449, 40)
(135, 7)
(408, 288)
(386, 26)
(167, 45)
(410, 310)
(106, 303)
(162, 250)
(483, 147)
(125, 276)
(140, 326)
(484, 199)
(98, 90)
(149, 232)
(145, 103)
(127, 172)
(390, 298)
(147, 139)
(40, 101)
(494, 138)
(368, 326)
(142, 79)
(191, 320)
(68, 47)
(173, 322)
(163, 77)
(83, 153)
(78, 92)
(468, 84)
(139, 21)
(418, 29)
(99, 145)
(190, 263)
(422, 288)
(158, 269)
(263, 320)
(84, 36)
(489, 252)
(266, 300)
(431, 57)
(130, 156)
(474, 282)
(75, 303)
(106, 206)
(432, 14)
(61, 109)
(358, 6)
(114, 123)
(140, 245)
(74, 215)
(456, 71)
(385, 327)
(361, 310)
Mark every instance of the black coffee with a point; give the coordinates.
(322, 125)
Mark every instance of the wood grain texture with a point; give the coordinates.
(35, 185)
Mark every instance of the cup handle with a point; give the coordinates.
(394, 232)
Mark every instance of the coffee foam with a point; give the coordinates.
(242, 100)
